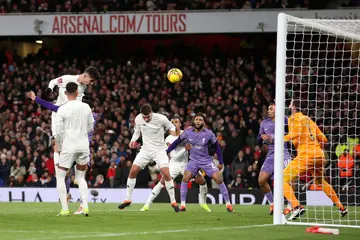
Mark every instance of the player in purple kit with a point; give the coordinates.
(266, 135)
(54, 108)
(200, 138)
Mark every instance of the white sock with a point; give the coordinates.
(155, 191)
(61, 188)
(170, 189)
(289, 205)
(83, 188)
(56, 160)
(203, 193)
(130, 185)
(183, 204)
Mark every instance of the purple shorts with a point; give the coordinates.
(194, 167)
(268, 165)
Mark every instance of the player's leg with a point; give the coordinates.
(80, 173)
(327, 188)
(267, 170)
(211, 170)
(141, 160)
(188, 174)
(291, 172)
(63, 165)
(174, 172)
(200, 180)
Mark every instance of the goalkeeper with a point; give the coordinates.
(308, 141)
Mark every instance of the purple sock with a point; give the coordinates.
(183, 191)
(67, 184)
(269, 197)
(224, 192)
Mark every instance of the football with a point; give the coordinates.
(174, 75)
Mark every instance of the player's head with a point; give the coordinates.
(146, 112)
(271, 110)
(71, 90)
(295, 105)
(199, 121)
(90, 75)
(176, 122)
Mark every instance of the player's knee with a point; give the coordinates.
(134, 171)
(262, 181)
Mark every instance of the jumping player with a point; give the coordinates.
(152, 128)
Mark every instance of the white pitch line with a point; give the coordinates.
(96, 210)
(151, 232)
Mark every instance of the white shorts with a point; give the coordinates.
(144, 157)
(67, 160)
(53, 123)
(176, 169)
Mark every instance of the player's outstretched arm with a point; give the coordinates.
(321, 137)
(46, 104)
(174, 144)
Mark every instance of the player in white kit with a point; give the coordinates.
(74, 121)
(83, 80)
(152, 128)
(178, 160)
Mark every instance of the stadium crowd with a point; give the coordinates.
(75, 6)
(234, 92)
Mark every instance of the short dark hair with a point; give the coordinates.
(88, 102)
(71, 88)
(93, 72)
(296, 102)
(146, 109)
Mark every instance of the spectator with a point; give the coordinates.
(111, 173)
(4, 170)
(237, 183)
(100, 182)
(18, 170)
(239, 164)
(34, 182)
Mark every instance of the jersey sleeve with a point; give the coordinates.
(167, 124)
(320, 135)
(62, 81)
(213, 138)
(47, 105)
(294, 129)
(136, 133)
(90, 120)
(261, 131)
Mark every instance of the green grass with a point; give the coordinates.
(30, 221)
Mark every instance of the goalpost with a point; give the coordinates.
(318, 62)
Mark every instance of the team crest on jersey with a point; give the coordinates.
(203, 140)
(60, 80)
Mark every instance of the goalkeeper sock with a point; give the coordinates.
(155, 191)
(171, 190)
(203, 193)
(183, 192)
(83, 188)
(67, 184)
(329, 191)
(269, 197)
(130, 184)
(290, 195)
(60, 186)
(224, 192)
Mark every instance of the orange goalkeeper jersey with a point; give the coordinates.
(306, 136)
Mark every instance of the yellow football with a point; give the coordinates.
(174, 75)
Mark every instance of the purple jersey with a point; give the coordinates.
(268, 127)
(200, 142)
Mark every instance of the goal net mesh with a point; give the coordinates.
(322, 71)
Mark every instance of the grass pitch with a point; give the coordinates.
(38, 221)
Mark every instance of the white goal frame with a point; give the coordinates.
(282, 26)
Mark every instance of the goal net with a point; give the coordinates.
(318, 69)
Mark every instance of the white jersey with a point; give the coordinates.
(61, 83)
(74, 122)
(179, 155)
(152, 132)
